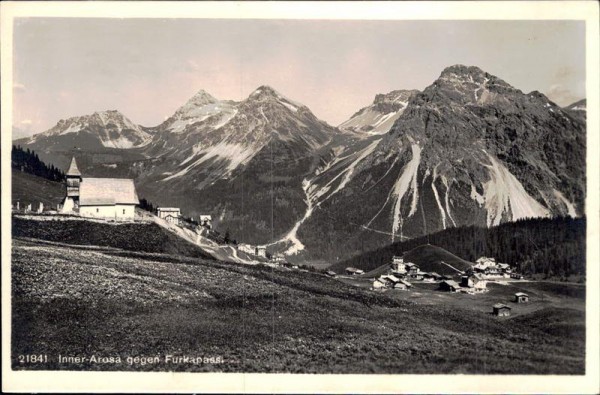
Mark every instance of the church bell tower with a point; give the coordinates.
(73, 182)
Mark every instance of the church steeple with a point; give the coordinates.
(73, 181)
(73, 170)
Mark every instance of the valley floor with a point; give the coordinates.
(83, 301)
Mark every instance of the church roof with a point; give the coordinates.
(107, 191)
(73, 170)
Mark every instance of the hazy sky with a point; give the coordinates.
(147, 68)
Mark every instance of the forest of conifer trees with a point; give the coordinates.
(554, 247)
(28, 161)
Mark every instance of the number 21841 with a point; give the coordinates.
(36, 358)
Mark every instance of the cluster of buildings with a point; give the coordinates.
(401, 272)
(173, 216)
(504, 310)
(472, 281)
(391, 281)
(110, 198)
(490, 268)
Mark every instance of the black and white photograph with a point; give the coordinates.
(379, 197)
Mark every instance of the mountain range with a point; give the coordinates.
(469, 149)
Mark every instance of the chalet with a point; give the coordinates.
(331, 273)
(501, 310)
(521, 297)
(391, 279)
(474, 282)
(398, 265)
(169, 214)
(449, 286)
(431, 277)
(414, 273)
(405, 283)
(411, 268)
(516, 276)
(486, 262)
(206, 221)
(354, 271)
(379, 284)
(278, 258)
(504, 268)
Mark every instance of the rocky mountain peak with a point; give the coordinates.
(468, 85)
(396, 96)
(198, 101)
(201, 98)
(264, 91)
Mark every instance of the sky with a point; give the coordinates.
(147, 68)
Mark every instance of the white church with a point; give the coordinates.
(108, 198)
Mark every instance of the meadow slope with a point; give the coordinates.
(91, 300)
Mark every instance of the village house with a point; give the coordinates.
(379, 284)
(521, 297)
(475, 283)
(169, 214)
(501, 310)
(354, 271)
(449, 286)
(390, 281)
(431, 277)
(403, 285)
(486, 262)
(331, 273)
(398, 265)
(107, 198)
(504, 268)
(206, 221)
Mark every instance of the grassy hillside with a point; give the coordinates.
(429, 258)
(145, 237)
(97, 301)
(27, 188)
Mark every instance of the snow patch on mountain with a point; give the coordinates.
(437, 199)
(379, 117)
(447, 198)
(505, 195)
(407, 181)
(292, 237)
(235, 154)
(372, 122)
(198, 109)
(349, 171)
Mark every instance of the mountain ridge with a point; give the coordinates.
(469, 149)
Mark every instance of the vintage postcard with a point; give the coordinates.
(300, 197)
